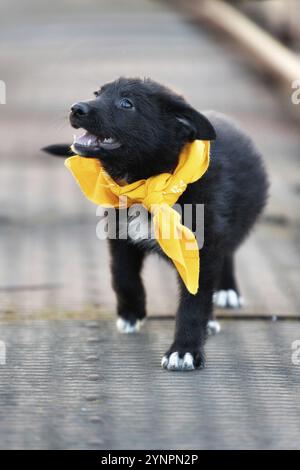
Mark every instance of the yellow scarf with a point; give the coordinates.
(157, 194)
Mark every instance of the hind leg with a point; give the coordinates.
(227, 294)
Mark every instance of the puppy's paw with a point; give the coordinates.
(124, 326)
(213, 327)
(181, 360)
(227, 299)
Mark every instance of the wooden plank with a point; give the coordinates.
(270, 53)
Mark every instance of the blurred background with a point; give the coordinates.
(56, 53)
(54, 393)
(279, 17)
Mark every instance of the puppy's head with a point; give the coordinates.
(136, 128)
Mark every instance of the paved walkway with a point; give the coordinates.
(80, 385)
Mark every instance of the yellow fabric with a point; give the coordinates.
(157, 194)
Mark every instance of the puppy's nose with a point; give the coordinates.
(80, 109)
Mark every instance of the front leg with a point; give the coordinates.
(126, 265)
(187, 350)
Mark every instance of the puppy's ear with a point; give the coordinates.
(195, 123)
(60, 150)
(198, 125)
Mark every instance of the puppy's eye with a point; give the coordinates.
(125, 103)
(96, 93)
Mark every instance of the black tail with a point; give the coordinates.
(61, 150)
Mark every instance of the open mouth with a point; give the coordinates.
(91, 145)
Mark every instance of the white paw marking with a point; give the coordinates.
(174, 362)
(188, 362)
(227, 299)
(124, 326)
(213, 327)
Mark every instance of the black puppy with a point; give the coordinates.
(137, 129)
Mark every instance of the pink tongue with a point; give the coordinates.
(87, 139)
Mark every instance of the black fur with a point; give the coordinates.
(234, 191)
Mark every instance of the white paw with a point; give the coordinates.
(174, 362)
(227, 299)
(124, 326)
(213, 327)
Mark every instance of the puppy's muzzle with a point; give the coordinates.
(79, 114)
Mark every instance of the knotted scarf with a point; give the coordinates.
(157, 194)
